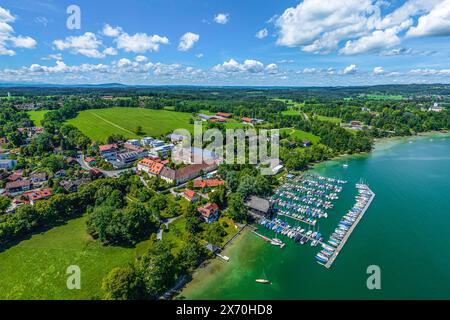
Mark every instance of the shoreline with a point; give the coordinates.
(208, 268)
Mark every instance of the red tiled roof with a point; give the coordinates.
(223, 114)
(190, 194)
(35, 195)
(107, 147)
(90, 159)
(247, 119)
(18, 184)
(210, 183)
(208, 209)
(153, 166)
(132, 147)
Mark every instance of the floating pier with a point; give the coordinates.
(349, 232)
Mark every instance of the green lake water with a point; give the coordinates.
(406, 232)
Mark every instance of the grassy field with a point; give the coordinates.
(37, 116)
(330, 119)
(301, 135)
(381, 97)
(36, 268)
(98, 124)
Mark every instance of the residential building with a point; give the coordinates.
(209, 212)
(108, 151)
(39, 177)
(147, 141)
(190, 195)
(91, 161)
(36, 195)
(151, 167)
(189, 156)
(209, 183)
(187, 173)
(259, 207)
(224, 115)
(126, 159)
(18, 186)
(7, 164)
(162, 151)
(133, 142)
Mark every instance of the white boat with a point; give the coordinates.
(263, 281)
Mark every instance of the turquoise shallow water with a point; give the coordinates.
(406, 232)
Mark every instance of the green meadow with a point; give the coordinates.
(330, 119)
(37, 116)
(300, 134)
(36, 268)
(98, 124)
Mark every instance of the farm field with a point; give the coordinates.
(301, 135)
(98, 124)
(37, 116)
(36, 268)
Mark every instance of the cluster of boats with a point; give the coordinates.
(344, 226)
(308, 199)
(296, 233)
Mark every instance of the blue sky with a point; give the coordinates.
(200, 42)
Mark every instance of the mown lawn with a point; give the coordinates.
(301, 135)
(36, 268)
(98, 124)
(37, 116)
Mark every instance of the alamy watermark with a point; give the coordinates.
(236, 147)
(73, 22)
(74, 279)
(374, 280)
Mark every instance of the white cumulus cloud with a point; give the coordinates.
(140, 42)
(261, 34)
(87, 45)
(351, 69)
(222, 18)
(187, 41)
(8, 38)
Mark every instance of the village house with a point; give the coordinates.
(61, 173)
(250, 120)
(91, 161)
(71, 161)
(209, 212)
(191, 195)
(7, 164)
(108, 151)
(16, 175)
(133, 148)
(259, 207)
(17, 187)
(436, 108)
(39, 177)
(133, 142)
(147, 141)
(36, 195)
(151, 167)
(224, 115)
(127, 158)
(72, 185)
(209, 183)
(162, 151)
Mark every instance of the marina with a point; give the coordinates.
(347, 225)
(306, 200)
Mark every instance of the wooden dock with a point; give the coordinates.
(349, 232)
(297, 219)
